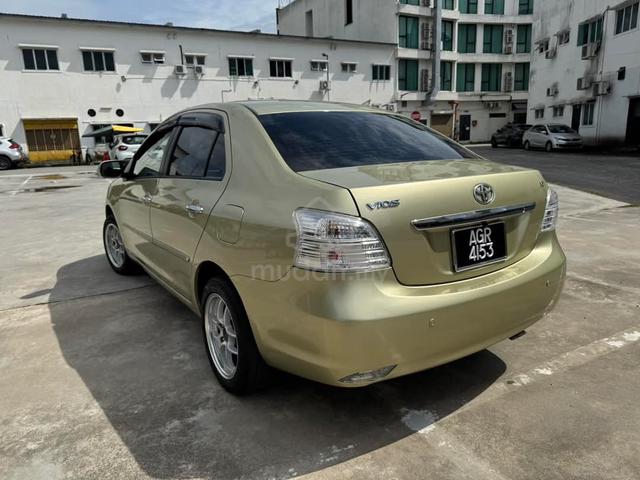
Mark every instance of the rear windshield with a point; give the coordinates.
(322, 140)
(560, 129)
(134, 139)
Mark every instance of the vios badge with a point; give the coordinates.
(483, 193)
(383, 204)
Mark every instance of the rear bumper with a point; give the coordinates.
(326, 328)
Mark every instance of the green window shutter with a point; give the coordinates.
(465, 77)
(233, 71)
(447, 35)
(462, 38)
(521, 80)
(460, 77)
(463, 6)
(498, 7)
(523, 43)
(402, 41)
(496, 40)
(412, 75)
(413, 34)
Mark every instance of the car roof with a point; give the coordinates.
(266, 107)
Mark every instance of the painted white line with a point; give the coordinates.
(74, 172)
(21, 186)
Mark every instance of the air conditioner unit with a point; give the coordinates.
(425, 45)
(508, 49)
(426, 3)
(551, 53)
(602, 88)
(590, 50)
(426, 32)
(324, 85)
(391, 107)
(508, 35)
(552, 91)
(198, 70)
(508, 82)
(179, 70)
(583, 83)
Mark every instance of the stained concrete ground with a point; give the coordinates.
(105, 377)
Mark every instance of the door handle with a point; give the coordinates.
(147, 198)
(193, 209)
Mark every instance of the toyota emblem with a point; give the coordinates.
(483, 193)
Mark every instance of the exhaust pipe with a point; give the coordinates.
(517, 335)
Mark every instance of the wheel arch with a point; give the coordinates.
(205, 271)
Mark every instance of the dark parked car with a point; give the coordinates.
(509, 135)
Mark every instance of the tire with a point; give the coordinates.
(527, 145)
(122, 263)
(223, 319)
(5, 163)
(494, 143)
(548, 147)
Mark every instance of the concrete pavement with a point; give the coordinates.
(106, 377)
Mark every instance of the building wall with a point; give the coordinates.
(151, 93)
(370, 19)
(567, 65)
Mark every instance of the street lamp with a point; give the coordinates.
(328, 83)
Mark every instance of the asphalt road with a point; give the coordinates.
(609, 175)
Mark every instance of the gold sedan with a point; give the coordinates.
(339, 243)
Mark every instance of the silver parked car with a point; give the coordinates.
(11, 154)
(551, 136)
(125, 146)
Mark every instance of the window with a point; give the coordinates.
(218, 161)
(381, 72)
(563, 37)
(468, 6)
(446, 76)
(149, 164)
(558, 111)
(539, 113)
(627, 18)
(523, 39)
(447, 35)
(349, 67)
(590, 32)
(192, 59)
(40, 59)
(491, 77)
(494, 7)
(323, 140)
(348, 5)
(280, 68)
(447, 4)
(240, 67)
(408, 32)
(152, 57)
(98, 61)
(466, 38)
(521, 81)
(466, 77)
(319, 65)
(408, 75)
(492, 42)
(543, 46)
(525, 7)
(410, 2)
(587, 113)
(191, 154)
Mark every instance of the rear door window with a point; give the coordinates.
(323, 140)
(192, 151)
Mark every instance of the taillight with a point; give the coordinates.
(106, 157)
(551, 211)
(332, 242)
(122, 148)
(14, 146)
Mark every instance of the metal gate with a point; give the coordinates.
(52, 140)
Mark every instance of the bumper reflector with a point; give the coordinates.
(368, 376)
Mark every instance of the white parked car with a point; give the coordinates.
(126, 145)
(551, 136)
(11, 154)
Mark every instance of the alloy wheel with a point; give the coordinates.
(222, 339)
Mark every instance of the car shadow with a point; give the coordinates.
(141, 355)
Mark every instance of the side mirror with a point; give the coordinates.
(112, 168)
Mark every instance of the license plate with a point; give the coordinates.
(478, 245)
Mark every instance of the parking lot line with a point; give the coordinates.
(21, 186)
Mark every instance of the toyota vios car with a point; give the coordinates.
(550, 137)
(343, 244)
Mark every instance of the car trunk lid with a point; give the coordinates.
(436, 190)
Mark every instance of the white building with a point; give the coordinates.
(62, 78)
(585, 70)
(462, 64)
